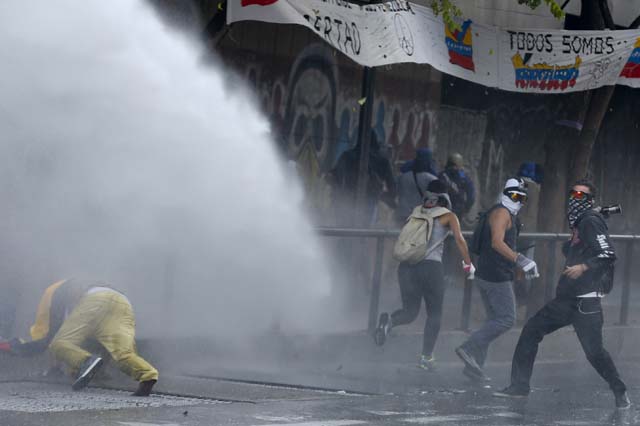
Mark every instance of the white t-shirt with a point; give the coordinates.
(94, 290)
(592, 294)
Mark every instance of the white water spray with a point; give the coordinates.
(123, 159)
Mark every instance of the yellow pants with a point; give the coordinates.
(108, 318)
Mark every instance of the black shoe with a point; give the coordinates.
(382, 330)
(144, 388)
(511, 392)
(474, 376)
(469, 361)
(87, 370)
(622, 401)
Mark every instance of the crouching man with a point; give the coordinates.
(71, 312)
(587, 278)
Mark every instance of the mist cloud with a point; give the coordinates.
(125, 160)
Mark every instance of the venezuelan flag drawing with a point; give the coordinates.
(460, 45)
(544, 76)
(632, 67)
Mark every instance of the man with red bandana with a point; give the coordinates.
(587, 278)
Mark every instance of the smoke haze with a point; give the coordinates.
(123, 159)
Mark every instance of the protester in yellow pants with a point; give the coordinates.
(97, 312)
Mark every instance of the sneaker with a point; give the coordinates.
(469, 361)
(144, 388)
(427, 363)
(382, 331)
(511, 392)
(87, 370)
(622, 401)
(474, 376)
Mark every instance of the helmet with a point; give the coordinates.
(455, 159)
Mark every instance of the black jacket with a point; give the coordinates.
(592, 246)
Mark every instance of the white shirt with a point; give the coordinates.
(592, 294)
(93, 290)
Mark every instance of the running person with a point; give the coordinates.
(425, 280)
(587, 278)
(494, 280)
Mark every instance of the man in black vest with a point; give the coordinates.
(587, 277)
(494, 276)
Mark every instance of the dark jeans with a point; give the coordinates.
(586, 317)
(499, 303)
(424, 280)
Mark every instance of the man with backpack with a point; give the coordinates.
(494, 240)
(419, 250)
(587, 278)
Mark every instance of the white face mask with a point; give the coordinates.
(513, 206)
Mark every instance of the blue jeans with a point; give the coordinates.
(500, 305)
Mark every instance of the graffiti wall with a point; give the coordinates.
(312, 97)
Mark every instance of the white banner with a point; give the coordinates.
(531, 61)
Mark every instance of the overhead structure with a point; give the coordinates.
(548, 61)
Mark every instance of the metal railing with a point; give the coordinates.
(552, 239)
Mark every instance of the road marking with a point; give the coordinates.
(508, 415)
(441, 419)
(147, 424)
(398, 413)
(320, 423)
(287, 419)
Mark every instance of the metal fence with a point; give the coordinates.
(551, 239)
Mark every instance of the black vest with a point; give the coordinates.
(492, 266)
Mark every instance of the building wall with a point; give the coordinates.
(312, 97)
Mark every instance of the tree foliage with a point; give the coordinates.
(449, 10)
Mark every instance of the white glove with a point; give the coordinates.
(528, 266)
(469, 269)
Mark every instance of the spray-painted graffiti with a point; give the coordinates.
(312, 105)
(310, 95)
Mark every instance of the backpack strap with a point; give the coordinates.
(438, 211)
(440, 241)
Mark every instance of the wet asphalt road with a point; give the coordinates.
(564, 394)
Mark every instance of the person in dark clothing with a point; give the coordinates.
(494, 277)
(587, 278)
(425, 280)
(459, 186)
(381, 184)
(413, 183)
